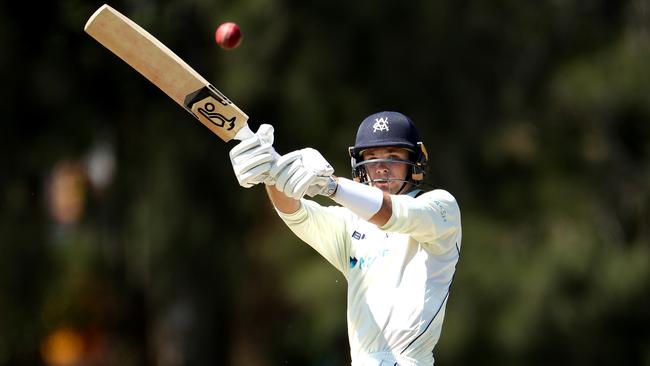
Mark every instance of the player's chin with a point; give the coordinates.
(384, 186)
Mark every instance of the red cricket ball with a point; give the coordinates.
(228, 35)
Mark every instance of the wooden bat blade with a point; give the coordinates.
(167, 71)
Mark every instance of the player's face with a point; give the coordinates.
(387, 170)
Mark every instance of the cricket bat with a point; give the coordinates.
(168, 72)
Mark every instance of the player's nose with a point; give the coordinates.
(381, 168)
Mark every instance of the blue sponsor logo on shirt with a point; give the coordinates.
(365, 262)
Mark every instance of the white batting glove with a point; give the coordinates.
(301, 172)
(253, 158)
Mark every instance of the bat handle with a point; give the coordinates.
(244, 133)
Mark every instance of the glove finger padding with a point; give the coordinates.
(296, 173)
(282, 178)
(255, 171)
(301, 174)
(284, 161)
(320, 167)
(298, 183)
(283, 169)
(263, 137)
(314, 161)
(252, 169)
(244, 146)
(254, 176)
(248, 160)
(253, 158)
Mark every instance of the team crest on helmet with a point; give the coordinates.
(381, 124)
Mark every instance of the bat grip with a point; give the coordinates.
(244, 133)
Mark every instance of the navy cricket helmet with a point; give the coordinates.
(388, 129)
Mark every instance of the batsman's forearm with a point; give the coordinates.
(369, 203)
(385, 212)
(283, 203)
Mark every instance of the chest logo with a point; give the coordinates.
(357, 235)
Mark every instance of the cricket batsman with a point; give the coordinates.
(396, 244)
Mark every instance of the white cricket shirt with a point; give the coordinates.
(398, 275)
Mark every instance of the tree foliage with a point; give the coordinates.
(125, 238)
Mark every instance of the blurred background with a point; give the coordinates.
(126, 240)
